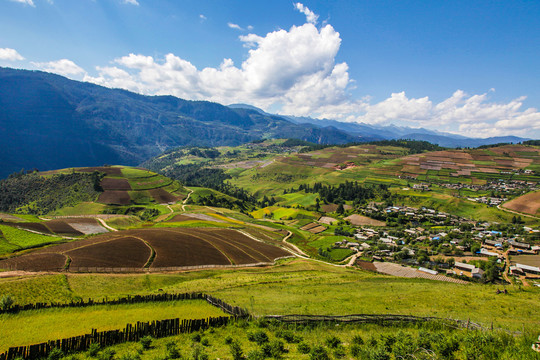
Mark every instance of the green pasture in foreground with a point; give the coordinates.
(303, 287)
(350, 341)
(30, 327)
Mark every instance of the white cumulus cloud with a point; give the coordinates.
(63, 67)
(311, 17)
(296, 72)
(10, 54)
(131, 2)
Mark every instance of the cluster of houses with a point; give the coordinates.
(494, 201)
(500, 185)
(414, 215)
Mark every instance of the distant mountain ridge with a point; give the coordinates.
(48, 122)
(389, 132)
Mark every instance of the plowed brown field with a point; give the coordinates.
(35, 262)
(162, 196)
(115, 184)
(174, 247)
(115, 197)
(528, 203)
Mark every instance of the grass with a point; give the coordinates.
(35, 326)
(84, 208)
(17, 239)
(133, 173)
(305, 287)
(376, 342)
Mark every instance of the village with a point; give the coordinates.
(439, 243)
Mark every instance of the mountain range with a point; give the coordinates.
(48, 121)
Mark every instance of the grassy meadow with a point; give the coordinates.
(35, 326)
(303, 287)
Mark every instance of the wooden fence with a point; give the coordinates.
(229, 309)
(132, 332)
(381, 319)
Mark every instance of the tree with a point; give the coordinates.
(340, 209)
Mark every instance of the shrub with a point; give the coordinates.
(228, 339)
(107, 354)
(339, 352)
(304, 348)
(55, 354)
(6, 302)
(93, 349)
(319, 353)
(357, 339)
(205, 342)
(259, 336)
(130, 356)
(146, 342)
(236, 351)
(172, 350)
(198, 353)
(256, 355)
(277, 348)
(289, 336)
(356, 350)
(333, 341)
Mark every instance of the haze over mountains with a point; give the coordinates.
(48, 121)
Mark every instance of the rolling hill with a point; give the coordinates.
(48, 122)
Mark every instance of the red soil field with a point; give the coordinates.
(528, 203)
(162, 196)
(180, 218)
(115, 184)
(115, 197)
(62, 227)
(35, 262)
(123, 252)
(174, 247)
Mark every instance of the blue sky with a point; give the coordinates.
(468, 67)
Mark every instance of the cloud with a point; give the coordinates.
(235, 26)
(26, 2)
(311, 17)
(10, 54)
(131, 2)
(63, 67)
(202, 17)
(296, 72)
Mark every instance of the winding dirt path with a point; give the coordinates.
(186, 199)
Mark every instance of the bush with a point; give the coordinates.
(55, 354)
(196, 337)
(259, 336)
(289, 336)
(319, 353)
(357, 339)
(172, 350)
(198, 353)
(236, 351)
(6, 302)
(356, 350)
(256, 355)
(107, 354)
(93, 349)
(205, 342)
(333, 341)
(304, 348)
(146, 342)
(228, 339)
(130, 356)
(339, 352)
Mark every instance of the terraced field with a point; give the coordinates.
(154, 248)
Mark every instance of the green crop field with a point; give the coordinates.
(15, 239)
(35, 326)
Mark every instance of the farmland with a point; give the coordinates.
(529, 203)
(155, 248)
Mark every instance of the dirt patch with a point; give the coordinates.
(115, 184)
(86, 226)
(62, 227)
(528, 203)
(359, 220)
(123, 252)
(114, 197)
(180, 218)
(35, 262)
(39, 227)
(162, 196)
